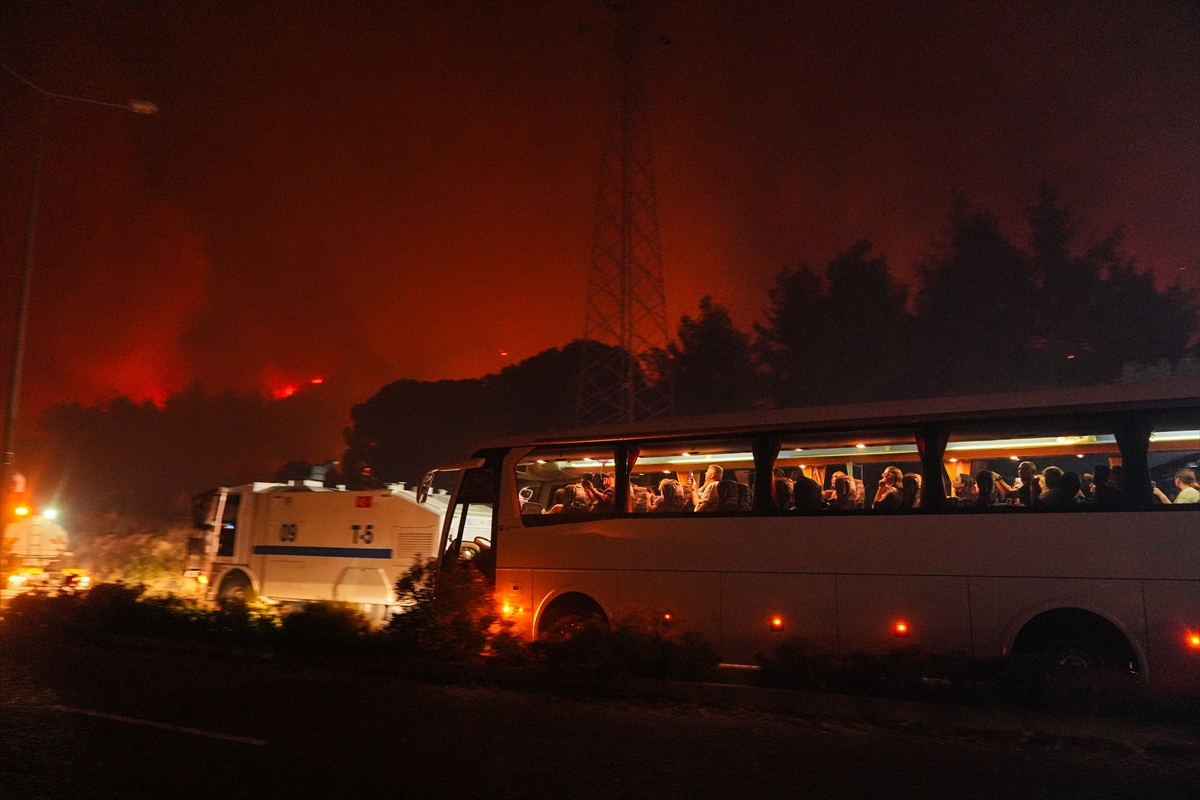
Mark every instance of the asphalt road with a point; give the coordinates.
(336, 733)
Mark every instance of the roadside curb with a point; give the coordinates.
(909, 713)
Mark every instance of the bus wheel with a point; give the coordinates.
(235, 588)
(569, 614)
(1074, 639)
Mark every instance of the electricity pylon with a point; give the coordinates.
(625, 376)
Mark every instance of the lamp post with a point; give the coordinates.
(18, 359)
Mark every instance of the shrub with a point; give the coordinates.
(447, 616)
(324, 625)
(592, 655)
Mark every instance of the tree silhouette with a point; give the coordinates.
(835, 338)
(972, 329)
(711, 363)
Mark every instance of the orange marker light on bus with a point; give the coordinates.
(900, 628)
(1193, 640)
(776, 623)
(21, 511)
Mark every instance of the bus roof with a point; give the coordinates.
(1095, 401)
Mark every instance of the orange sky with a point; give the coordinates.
(370, 191)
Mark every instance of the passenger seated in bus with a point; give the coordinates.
(1051, 479)
(1185, 482)
(670, 496)
(745, 500)
(1088, 482)
(782, 488)
(890, 491)
(964, 489)
(910, 491)
(806, 493)
(985, 490)
(600, 499)
(1064, 487)
(843, 493)
(640, 499)
(1105, 495)
(1027, 490)
(560, 496)
(706, 496)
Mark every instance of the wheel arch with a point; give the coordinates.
(1052, 615)
(239, 569)
(565, 598)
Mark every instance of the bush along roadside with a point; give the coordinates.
(448, 628)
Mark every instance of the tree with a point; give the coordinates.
(972, 329)
(835, 338)
(711, 365)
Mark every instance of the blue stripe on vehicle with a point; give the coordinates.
(327, 552)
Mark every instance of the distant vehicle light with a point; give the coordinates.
(84, 580)
(900, 628)
(507, 609)
(50, 513)
(21, 511)
(16, 580)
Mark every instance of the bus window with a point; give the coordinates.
(874, 470)
(566, 482)
(227, 535)
(709, 475)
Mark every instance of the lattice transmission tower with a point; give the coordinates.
(624, 375)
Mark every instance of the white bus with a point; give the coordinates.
(1093, 584)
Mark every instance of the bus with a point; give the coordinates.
(1089, 584)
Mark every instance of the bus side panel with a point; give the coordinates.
(514, 588)
(1173, 613)
(692, 599)
(805, 605)
(987, 634)
(934, 610)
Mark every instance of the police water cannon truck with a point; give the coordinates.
(300, 541)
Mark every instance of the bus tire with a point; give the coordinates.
(1075, 639)
(568, 614)
(235, 588)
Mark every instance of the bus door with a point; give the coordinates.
(469, 524)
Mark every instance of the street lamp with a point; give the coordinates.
(14, 389)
